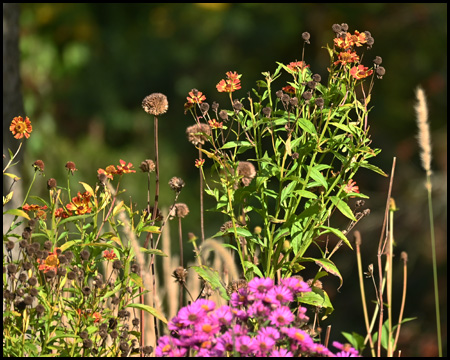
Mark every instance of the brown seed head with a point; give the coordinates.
(180, 275)
(176, 184)
(39, 165)
(196, 133)
(247, 170)
(70, 165)
(147, 166)
(51, 183)
(155, 104)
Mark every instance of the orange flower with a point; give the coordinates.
(351, 187)
(50, 263)
(109, 171)
(199, 163)
(20, 127)
(33, 207)
(63, 214)
(229, 85)
(232, 75)
(347, 57)
(109, 254)
(215, 124)
(288, 89)
(350, 40)
(123, 168)
(360, 72)
(196, 97)
(297, 65)
(80, 204)
(97, 316)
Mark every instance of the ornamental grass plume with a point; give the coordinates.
(425, 147)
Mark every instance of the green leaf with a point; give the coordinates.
(287, 190)
(150, 310)
(17, 212)
(12, 176)
(317, 297)
(336, 232)
(373, 168)
(343, 207)
(136, 279)
(307, 126)
(356, 340)
(328, 266)
(250, 265)
(151, 229)
(75, 218)
(213, 278)
(316, 175)
(69, 244)
(306, 194)
(233, 144)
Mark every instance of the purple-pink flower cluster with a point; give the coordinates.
(258, 322)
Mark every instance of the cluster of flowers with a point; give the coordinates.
(111, 170)
(258, 322)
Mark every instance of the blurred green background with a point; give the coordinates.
(85, 69)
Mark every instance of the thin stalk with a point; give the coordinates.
(202, 224)
(404, 257)
(389, 276)
(433, 252)
(180, 237)
(363, 294)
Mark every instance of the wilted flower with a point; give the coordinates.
(247, 171)
(147, 166)
(197, 133)
(155, 104)
(176, 184)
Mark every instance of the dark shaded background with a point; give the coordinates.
(85, 69)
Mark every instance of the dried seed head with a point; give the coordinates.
(70, 165)
(378, 60)
(196, 133)
(267, 111)
(155, 104)
(306, 36)
(247, 170)
(147, 166)
(344, 27)
(179, 210)
(279, 94)
(223, 115)
(317, 78)
(380, 72)
(311, 84)
(39, 165)
(176, 184)
(237, 105)
(336, 28)
(215, 106)
(51, 183)
(319, 103)
(204, 107)
(307, 95)
(180, 275)
(317, 283)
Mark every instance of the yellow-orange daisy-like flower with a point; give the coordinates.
(199, 162)
(50, 263)
(350, 40)
(196, 97)
(297, 65)
(360, 72)
(215, 124)
(109, 171)
(124, 168)
(233, 75)
(97, 316)
(289, 89)
(20, 127)
(228, 85)
(80, 204)
(347, 57)
(63, 214)
(351, 187)
(33, 207)
(109, 254)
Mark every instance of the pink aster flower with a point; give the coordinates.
(303, 340)
(244, 344)
(260, 286)
(269, 331)
(222, 315)
(281, 316)
(262, 345)
(239, 298)
(258, 309)
(191, 314)
(346, 350)
(280, 295)
(205, 304)
(281, 353)
(295, 285)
